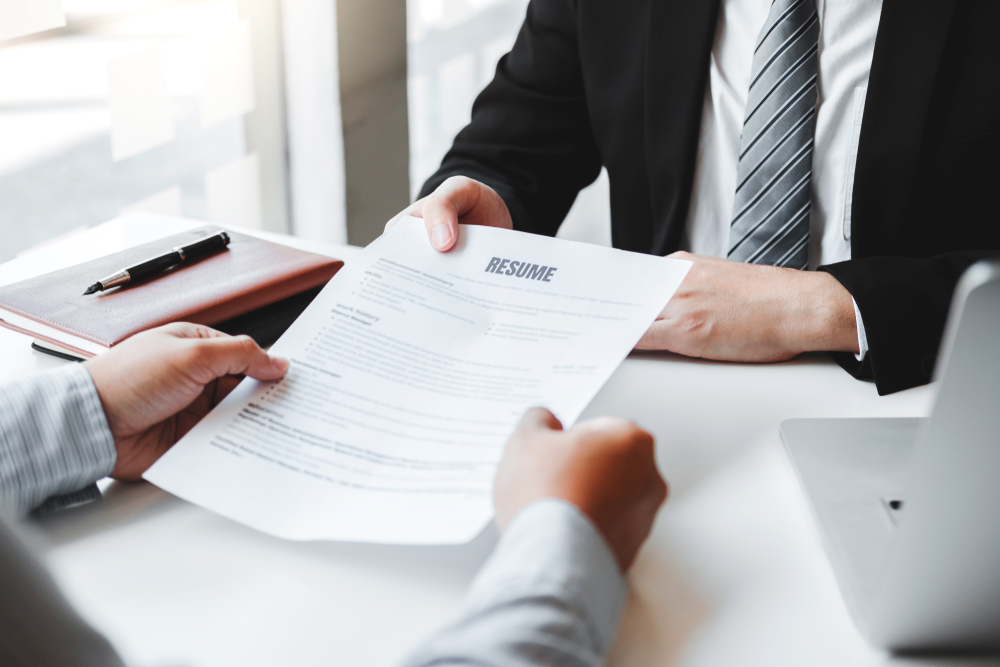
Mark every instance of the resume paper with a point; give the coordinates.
(408, 373)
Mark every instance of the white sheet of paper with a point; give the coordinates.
(142, 116)
(24, 17)
(408, 373)
(232, 192)
(227, 88)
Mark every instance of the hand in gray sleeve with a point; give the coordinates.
(54, 440)
(550, 594)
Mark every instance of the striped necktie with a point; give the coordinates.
(771, 211)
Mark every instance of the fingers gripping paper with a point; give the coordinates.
(408, 373)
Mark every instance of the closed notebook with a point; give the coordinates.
(250, 274)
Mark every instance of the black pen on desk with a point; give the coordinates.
(151, 267)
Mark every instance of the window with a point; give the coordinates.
(156, 105)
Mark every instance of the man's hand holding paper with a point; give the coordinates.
(725, 310)
(605, 467)
(151, 399)
(408, 374)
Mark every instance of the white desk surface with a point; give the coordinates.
(734, 573)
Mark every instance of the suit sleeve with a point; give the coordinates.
(904, 303)
(530, 138)
(54, 441)
(550, 595)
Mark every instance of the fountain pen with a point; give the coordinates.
(155, 265)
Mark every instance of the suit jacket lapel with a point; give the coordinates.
(678, 46)
(908, 51)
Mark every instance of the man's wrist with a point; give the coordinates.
(826, 320)
(552, 549)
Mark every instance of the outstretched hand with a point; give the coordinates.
(604, 466)
(724, 310)
(158, 384)
(457, 200)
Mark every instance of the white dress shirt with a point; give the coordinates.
(847, 42)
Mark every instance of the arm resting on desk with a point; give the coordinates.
(904, 302)
(551, 594)
(54, 439)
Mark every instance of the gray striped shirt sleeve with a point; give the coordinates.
(54, 440)
(551, 595)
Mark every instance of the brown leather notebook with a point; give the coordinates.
(250, 274)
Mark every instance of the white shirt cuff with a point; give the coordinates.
(862, 336)
(551, 548)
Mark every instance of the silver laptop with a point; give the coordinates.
(909, 509)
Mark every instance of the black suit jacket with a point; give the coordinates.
(621, 83)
